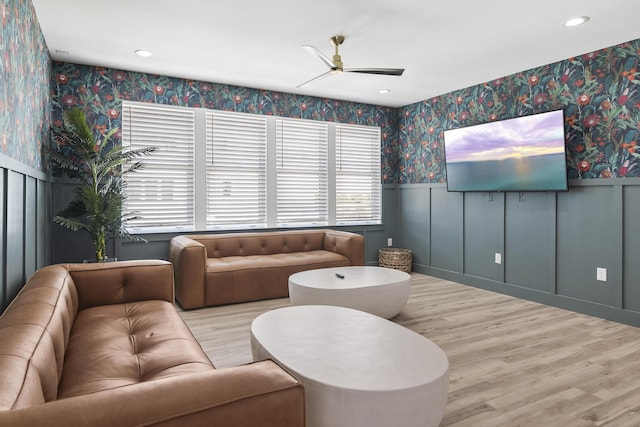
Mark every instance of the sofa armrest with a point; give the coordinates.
(345, 243)
(189, 258)
(122, 282)
(259, 394)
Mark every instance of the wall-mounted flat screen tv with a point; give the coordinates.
(520, 154)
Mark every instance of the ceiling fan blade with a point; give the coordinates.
(381, 71)
(335, 64)
(323, 75)
(324, 58)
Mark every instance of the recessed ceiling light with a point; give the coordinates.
(143, 53)
(383, 91)
(573, 22)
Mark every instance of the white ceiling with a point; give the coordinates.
(443, 45)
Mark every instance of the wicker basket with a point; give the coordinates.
(399, 259)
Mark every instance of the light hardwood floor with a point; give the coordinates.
(512, 362)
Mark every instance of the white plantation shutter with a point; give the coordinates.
(358, 185)
(301, 172)
(162, 192)
(225, 170)
(236, 170)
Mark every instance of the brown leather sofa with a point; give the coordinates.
(215, 269)
(103, 345)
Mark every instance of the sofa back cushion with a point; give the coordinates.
(122, 282)
(34, 334)
(267, 243)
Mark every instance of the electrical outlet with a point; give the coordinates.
(389, 241)
(498, 258)
(601, 274)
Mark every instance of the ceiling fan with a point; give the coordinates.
(335, 64)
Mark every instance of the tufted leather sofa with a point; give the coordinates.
(215, 269)
(102, 345)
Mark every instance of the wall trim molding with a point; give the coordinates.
(556, 242)
(613, 182)
(7, 162)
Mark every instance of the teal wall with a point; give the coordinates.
(26, 191)
(550, 243)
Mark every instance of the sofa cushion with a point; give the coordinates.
(281, 260)
(34, 332)
(254, 277)
(247, 244)
(123, 344)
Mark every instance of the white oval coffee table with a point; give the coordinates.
(376, 290)
(358, 370)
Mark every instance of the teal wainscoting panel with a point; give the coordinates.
(3, 238)
(15, 233)
(552, 243)
(30, 226)
(446, 248)
(374, 239)
(70, 246)
(413, 222)
(43, 222)
(631, 238)
(484, 235)
(530, 240)
(588, 239)
(156, 247)
(25, 225)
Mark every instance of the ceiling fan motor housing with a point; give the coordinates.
(337, 59)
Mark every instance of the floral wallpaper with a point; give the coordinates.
(25, 78)
(100, 91)
(599, 91)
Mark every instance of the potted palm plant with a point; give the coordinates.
(99, 166)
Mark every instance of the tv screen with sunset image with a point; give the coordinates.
(520, 154)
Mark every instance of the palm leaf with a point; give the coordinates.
(70, 223)
(74, 209)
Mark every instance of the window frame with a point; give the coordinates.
(200, 174)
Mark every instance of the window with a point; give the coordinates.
(301, 172)
(162, 192)
(358, 189)
(236, 170)
(224, 170)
